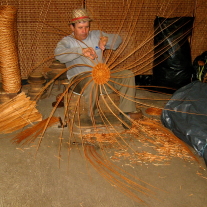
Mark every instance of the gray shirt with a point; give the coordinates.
(72, 50)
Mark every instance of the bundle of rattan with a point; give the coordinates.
(9, 65)
(30, 134)
(18, 113)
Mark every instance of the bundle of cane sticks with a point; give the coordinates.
(18, 113)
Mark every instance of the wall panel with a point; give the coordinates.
(41, 24)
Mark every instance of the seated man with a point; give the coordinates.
(84, 49)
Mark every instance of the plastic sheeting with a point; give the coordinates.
(186, 116)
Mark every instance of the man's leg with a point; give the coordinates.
(89, 90)
(125, 84)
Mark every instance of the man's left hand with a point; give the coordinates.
(102, 42)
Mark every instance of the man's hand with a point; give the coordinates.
(102, 42)
(89, 52)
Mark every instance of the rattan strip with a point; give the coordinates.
(11, 80)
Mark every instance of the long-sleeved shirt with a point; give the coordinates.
(69, 50)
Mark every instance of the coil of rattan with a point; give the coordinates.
(9, 65)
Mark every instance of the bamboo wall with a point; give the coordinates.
(42, 23)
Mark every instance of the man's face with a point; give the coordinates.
(81, 30)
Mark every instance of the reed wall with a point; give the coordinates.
(42, 23)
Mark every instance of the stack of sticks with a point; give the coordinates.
(18, 113)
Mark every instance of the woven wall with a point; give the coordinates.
(42, 23)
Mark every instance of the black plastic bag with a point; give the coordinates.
(143, 80)
(172, 54)
(186, 116)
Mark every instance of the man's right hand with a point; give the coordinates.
(89, 52)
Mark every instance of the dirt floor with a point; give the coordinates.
(106, 175)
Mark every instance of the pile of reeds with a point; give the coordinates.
(163, 141)
(18, 113)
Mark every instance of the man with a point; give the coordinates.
(86, 47)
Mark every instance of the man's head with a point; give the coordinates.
(81, 30)
(80, 23)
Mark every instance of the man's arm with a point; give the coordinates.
(65, 53)
(113, 40)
